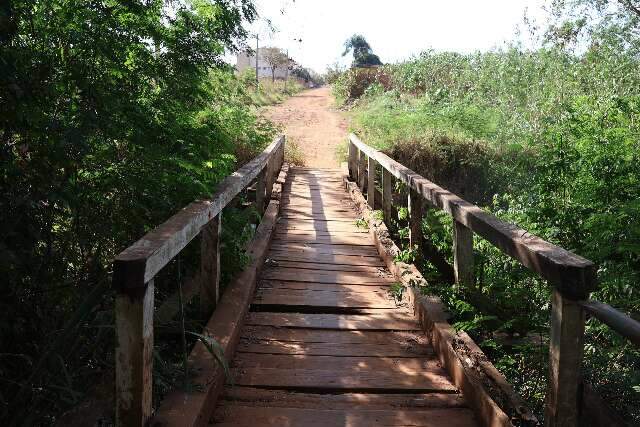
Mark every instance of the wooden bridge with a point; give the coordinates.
(310, 328)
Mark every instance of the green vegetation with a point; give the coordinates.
(113, 115)
(546, 138)
(269, 92)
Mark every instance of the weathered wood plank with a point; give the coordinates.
(210, 265)
(323, 276)
(341, 337)
(396, 321)
(371, 182)
(323, 299)
(323, 249)
(283, 254)
(463, 255)
(566, 348)
(241, 416)
(334, 349)
(329, 266)
(570, 273)
(134, 355)
(342, 379)
(289, 399)
(378, 288)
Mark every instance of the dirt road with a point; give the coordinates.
(310, 120)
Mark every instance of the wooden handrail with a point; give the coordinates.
(136, 267)
(615, 319)
(572, 276)
(140, 262)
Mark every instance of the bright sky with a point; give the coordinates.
(395, 29)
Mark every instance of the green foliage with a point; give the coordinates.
(113, 115)
(548, 139)
(363, 55)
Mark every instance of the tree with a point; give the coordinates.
(363, 55)
(276, 58)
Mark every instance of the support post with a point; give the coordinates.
(352, 161)
(260, 191)
(270, 177)
(415, 205)
(566, 346)
(387, 195)
(463, 256)
(134, 355)
(371, 183)
(362, 165)
(210, 266)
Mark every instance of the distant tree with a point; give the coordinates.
(363, 55)
(276, 58)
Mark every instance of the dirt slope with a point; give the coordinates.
(311, 120)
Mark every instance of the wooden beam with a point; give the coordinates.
(615, 319)
(371, 182)
(387, 195)
(140, 262)
(134, 355)
(352, 160)
(260, 191)
(572, 274)
(210, 266)
(416, 213)
(566, 347)
(463, 256)
(362, 165)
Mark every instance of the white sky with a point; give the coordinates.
(395, 29)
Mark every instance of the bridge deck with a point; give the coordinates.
(324, 343)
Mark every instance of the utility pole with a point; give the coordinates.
(257, 54)
(286, 73)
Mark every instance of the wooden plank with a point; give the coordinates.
(615, 319)
(566, 348)
(261, 190)
(134, 356)
(210, 266)
(463, 256)
(290, 399)
(379, 288)
(236, 415)
(416, 213)
(320, 226)
(371, 182)
(387, 200)
(332, 239)
(570, 273)
(323, 249)
(324, 299)
(282, 254)
(139, 263)
(334, 349)
(362, 166)
(396, 321)
(341, 337)
(341, 379)
(322, 276)
(329, 267)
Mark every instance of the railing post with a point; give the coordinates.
(362, 165)
(210, 265)
(463, 255)
(260, 191)
(270, 178)
(134, 355)
(387, 200)
(566, 347)
(352, 160)
(415, 206)
(371, 182)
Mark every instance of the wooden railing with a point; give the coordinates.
(136, 267)
(571, 276)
